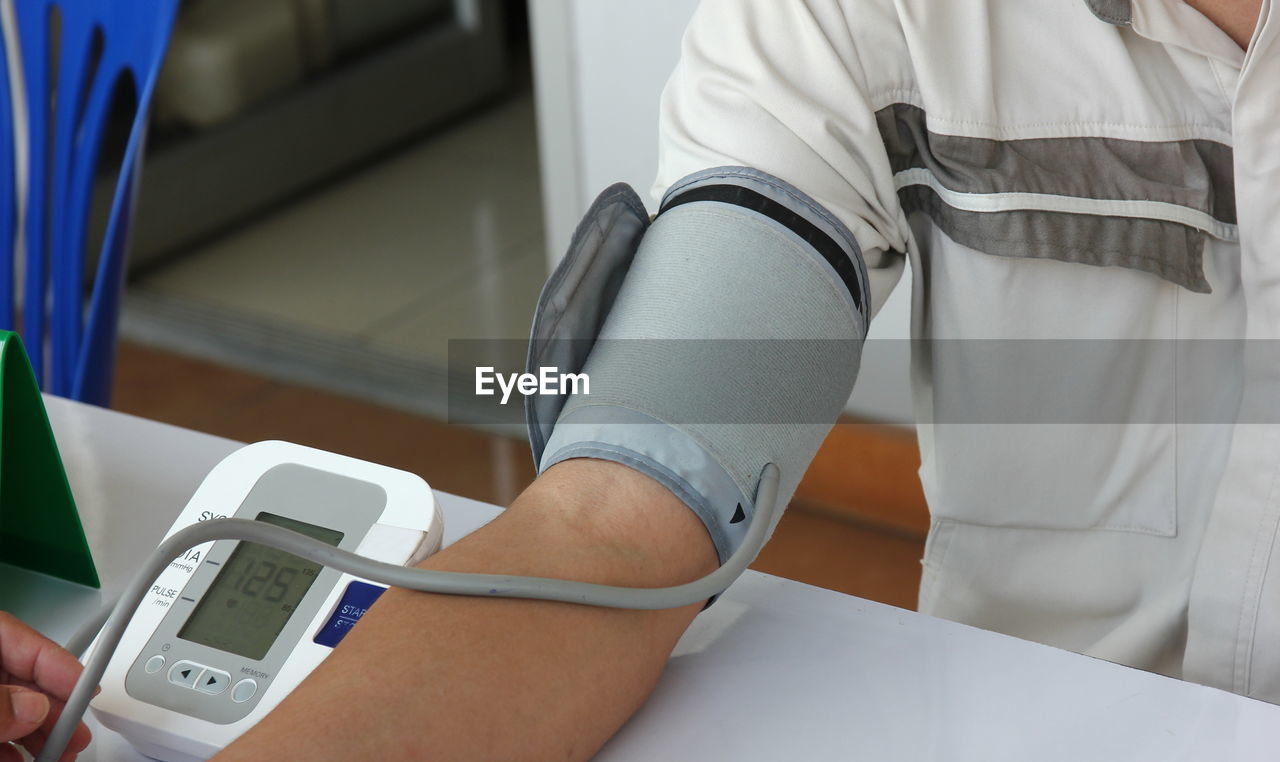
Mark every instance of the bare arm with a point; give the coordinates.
(463, 678)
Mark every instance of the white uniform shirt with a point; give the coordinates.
(1101, 177)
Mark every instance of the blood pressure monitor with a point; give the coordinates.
(231, 628)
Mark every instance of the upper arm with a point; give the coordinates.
(789, 88)
(734, 335)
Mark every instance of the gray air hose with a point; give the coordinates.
(424, 580)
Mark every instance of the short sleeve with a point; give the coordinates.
(781, 86)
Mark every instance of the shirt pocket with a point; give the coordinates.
(1047, 391)
(1060, 476)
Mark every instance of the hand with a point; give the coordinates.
(36, 677)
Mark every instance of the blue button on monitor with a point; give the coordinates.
(355, 601)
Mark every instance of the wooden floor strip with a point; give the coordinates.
(868, 472)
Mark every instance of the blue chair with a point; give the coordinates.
(53, 116)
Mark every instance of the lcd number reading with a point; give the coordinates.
(250, 601)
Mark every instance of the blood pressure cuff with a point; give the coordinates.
(723, 336)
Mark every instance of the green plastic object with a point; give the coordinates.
(40, 528)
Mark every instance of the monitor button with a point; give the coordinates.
(213, 682)
(154, 664)
(355, 601)
(185, 673)
(244, 690)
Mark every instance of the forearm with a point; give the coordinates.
(465, 678)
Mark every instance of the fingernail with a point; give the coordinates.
(29, 706)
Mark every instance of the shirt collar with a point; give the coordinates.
(1118, 12)
(1171, 22)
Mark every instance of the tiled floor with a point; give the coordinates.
(441, 240)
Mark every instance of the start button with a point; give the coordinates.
(355, 601)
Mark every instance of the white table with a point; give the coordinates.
(775, 670)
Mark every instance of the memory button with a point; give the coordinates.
(244, 691)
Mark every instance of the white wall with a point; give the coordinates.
(599, 69)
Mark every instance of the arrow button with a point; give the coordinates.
(185, 673)
(213, 682)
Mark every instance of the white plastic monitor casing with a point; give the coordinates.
(409, 529)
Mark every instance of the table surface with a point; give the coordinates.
(776, 669)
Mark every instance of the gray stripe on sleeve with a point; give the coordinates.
(1196, 174)
(1167, 250)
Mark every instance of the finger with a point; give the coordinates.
(30, 656)
(69, 755)
(5, 680)
(21, 711)
(34, 743)
(79, 739)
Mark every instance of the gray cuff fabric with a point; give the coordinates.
(728, 337)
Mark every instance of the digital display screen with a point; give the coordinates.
(255, 593)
